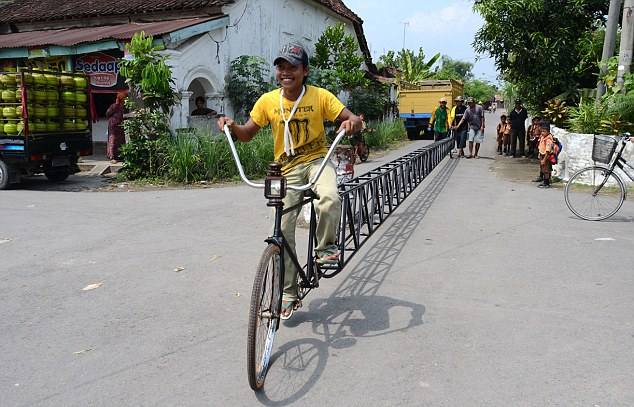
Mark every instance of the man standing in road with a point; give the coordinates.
(474, 116)
(440, 120)
(518, 128)
(460, 132)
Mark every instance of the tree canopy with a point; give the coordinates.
(336, 61)
(453, 69)
(480, 90)
(541, 46)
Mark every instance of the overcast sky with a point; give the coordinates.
(447, 27)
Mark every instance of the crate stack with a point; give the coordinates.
(43, 102)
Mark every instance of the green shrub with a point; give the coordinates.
(197, 156)
(215, 158)
(184, 158)
(556, 111)
(586, 118)
(248, 79)
(145, 154)
(623, 106)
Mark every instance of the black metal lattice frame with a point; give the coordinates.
(369, 199)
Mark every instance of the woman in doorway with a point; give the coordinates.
(116, 135)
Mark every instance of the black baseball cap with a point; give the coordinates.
(293, 53)
(518, 101)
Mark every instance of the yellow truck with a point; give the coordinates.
(417, 102)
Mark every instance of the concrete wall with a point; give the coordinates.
(577, 154)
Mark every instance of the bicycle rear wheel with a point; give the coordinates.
(264, 315)
(364, 151)
(594, 193)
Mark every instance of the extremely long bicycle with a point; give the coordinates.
(266, 296)
(598, 192)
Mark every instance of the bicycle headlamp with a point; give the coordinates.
(275, 187)
(275, 183)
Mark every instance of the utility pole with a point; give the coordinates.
(610, 39)
(405, 24)
(627, 41)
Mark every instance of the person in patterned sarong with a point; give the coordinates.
(116, 136)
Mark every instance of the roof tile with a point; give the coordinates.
(43, 10)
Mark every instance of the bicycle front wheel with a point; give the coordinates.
(594, 193)
(264, 315)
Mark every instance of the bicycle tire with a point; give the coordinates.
(594, 193)
(264, 315)
(364, 152)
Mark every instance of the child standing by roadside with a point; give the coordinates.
(500, 132)
(506, 141)
(545, 148)
(533, 133)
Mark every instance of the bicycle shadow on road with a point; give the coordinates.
(297, 366)
(611, 219)
(354, 310)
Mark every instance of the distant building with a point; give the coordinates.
(201, 37)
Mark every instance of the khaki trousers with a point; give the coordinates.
(327, 208)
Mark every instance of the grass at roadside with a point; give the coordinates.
(197, 156)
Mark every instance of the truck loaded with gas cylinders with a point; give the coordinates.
(45, 124)
(417, 102)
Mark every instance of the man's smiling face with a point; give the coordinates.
(290, 76)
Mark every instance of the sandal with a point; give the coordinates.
(293, 305)
(328, 256)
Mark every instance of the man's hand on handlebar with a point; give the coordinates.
(225, 120)
(243, 133)
(352, 125)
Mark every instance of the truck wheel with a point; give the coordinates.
(57, 176)
(4, 175)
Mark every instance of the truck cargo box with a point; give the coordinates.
(46, 124)
(417, 102)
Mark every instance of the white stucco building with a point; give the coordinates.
(201, 37)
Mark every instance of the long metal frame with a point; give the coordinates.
(367, 202)
(369, 199)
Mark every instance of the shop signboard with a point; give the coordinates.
(102, 68)
(54, 63)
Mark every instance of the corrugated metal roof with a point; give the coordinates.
(17, 11)
(74, 36)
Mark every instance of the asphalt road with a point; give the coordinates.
(477, 291)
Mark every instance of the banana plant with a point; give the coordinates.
(413, 68)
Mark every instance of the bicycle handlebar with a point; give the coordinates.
(310, 184)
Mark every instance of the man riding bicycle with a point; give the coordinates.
(296, 113)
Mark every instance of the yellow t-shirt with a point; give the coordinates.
(306, 125)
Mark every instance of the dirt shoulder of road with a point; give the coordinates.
(520, 170)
